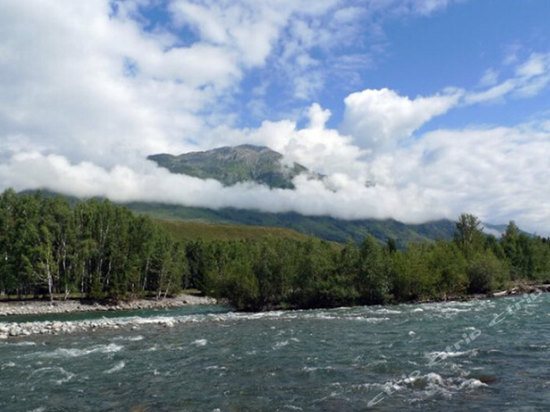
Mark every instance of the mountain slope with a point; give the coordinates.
(231, 165)
(192, 230)
(325, 227)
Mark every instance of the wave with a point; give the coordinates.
(442, 355)
(280, 344)
(7, 365)
(135, 322)
(317, 368)
(54, 371)
(75, 352)
(136, 338)
(425, 386)
(24, 343)
(120, 365)
(388, 311)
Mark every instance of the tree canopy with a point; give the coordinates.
(102, 251)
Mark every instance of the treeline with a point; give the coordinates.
(95, 248)
(102, 251)
(279, 273)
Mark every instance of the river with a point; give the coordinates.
(479, 355)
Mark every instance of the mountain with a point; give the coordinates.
(198, 224)
(262, 165)
(325, 227)
(231, 165)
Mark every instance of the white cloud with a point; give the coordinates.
(531, 78)
(317, 147)
(490, 78)
(498, 174)
(495, 93)
(379, 119)
(88, 93)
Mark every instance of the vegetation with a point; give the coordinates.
(231, 165)
(324, 227)
(48, 246)
(211, 231)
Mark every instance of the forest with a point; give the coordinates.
(98, 250)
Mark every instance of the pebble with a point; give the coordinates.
(12, 329)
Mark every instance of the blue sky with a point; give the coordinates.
(443, 104)
(421, 55)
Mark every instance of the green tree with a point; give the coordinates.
(469, 234)
(373, 282)
(486, 273)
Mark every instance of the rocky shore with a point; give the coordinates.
(71, 306)
(19, 329)
(14, 329)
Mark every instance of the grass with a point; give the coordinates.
(192, 230)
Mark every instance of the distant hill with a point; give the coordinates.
(328, 228)
(228, 223)
(189, 230)
(231, 165)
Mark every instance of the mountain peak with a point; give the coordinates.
(234, 164)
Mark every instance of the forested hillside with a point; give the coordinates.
(324, 227)
(48, 246)
(231, 165)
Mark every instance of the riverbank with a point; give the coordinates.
(35, 307)
(519, 289)
(21, 329)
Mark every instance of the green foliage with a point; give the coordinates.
(50, 247)
(188, 231)
(95, 248)
(469, 234)
(486, 273)
(231, 165)
(324, 227)
(372, 277)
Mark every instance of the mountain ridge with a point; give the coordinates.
(235, 164)
(324, 227)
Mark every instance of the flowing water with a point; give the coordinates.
(477, 355)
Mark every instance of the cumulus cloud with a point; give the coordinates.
(92, 89)
(316, 146)
(91, 82)
(498, 174)
(379, 119)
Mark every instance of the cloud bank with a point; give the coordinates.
(96, 86)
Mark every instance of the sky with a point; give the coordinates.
(414, 109)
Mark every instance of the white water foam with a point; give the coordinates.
(129, 338)
(426, 386)
(120, 365)
(48, 327)
(75, 352)
(317, 368)
(280, 344)
(40, 373)
(389, 311)
(199, 342)
(442, 355)
(216, 367)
